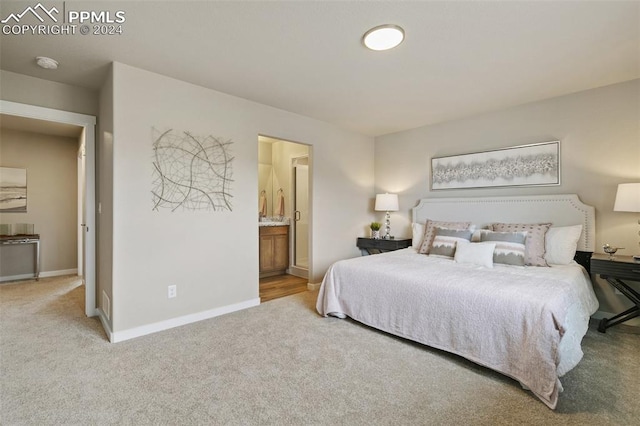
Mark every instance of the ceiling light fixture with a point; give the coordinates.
(47, 63)
(383, 37)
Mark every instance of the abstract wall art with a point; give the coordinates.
(191, 172)
(526, 165)
(13, 190)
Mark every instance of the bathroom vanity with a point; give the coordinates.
(274, 249)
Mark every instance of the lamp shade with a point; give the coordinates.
(387, 202)
(627, 198)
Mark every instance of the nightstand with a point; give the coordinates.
(381, 245)
(614, 271)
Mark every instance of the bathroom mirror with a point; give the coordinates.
(265, 188)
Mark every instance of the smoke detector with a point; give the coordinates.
(47, 63)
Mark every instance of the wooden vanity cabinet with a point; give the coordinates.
(274, 250)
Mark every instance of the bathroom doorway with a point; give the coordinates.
(284, 199)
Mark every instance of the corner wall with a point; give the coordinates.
(599, 133)
(213, 256)
(104, 202)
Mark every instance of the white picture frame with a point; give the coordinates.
(525, 165)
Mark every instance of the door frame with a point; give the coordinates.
(88, 123)
(295, 269)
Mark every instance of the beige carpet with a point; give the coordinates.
(276, 364)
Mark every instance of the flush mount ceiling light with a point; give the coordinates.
(383, 37)
(46, 63)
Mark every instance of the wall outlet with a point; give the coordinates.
(172, 291)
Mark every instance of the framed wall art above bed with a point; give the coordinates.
(526, 165)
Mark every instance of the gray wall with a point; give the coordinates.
(600, 148)
(52, 184)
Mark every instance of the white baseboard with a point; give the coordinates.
(120, 336)
(313, 286)
(298, 272)
(45, 274)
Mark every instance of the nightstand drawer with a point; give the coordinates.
(382, 244)
(622, 267)
(614, 270)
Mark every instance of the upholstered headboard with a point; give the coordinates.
(560, 210)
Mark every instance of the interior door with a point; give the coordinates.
(81, 212)
(301, 213)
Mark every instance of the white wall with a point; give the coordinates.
(49, 94)
(600, 148)
(213, 256)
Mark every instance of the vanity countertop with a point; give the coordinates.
(273, 222)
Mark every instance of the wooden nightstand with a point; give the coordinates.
(376, 246)
(614, 271)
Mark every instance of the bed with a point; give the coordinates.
(526, 322)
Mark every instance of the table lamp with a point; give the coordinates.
(388, 203)
(628, 200)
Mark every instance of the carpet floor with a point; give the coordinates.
(279, 363)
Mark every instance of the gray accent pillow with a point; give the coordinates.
(429, 232)
(510, 246)
(535, 242)
(446, 240)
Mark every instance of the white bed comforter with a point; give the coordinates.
(524, 322)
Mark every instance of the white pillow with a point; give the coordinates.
(418, 233)
(480, 254)
(561, 243)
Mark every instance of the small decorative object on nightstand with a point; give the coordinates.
(614, 270)
(375, 230)
(610, 250)
(376, 246)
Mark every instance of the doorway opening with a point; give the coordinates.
(284, 197)
(61, 121)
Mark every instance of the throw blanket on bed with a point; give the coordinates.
(510, 319)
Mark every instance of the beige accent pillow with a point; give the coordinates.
(534, 245)
(430, 232)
